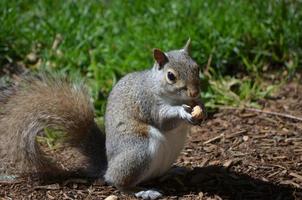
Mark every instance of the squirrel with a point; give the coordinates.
(147, 118)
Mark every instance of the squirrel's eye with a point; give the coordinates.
(171, 76)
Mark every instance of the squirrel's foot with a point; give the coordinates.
(142, 193)
(148, 194)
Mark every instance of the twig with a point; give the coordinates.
(55, 186)
(235, 134)
(263, 111)
(296, 175)
(214, 139)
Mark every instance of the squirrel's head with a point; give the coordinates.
(178, 74)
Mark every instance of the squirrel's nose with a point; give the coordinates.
(193, 93)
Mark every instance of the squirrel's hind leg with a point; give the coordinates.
(128, 169)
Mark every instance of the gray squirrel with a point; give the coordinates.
(148, 116)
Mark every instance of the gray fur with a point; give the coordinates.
(142, 100)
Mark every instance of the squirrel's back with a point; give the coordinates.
(36, 103)
(128, 96)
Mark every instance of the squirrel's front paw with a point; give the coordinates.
(187, 108)
(193, 116)
(185, 114)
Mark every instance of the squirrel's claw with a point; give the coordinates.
(187, 108)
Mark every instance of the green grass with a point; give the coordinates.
(51, 138)
(236, 92)
(103, 40)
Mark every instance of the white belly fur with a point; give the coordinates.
(164, 148)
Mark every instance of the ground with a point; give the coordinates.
(236, 154)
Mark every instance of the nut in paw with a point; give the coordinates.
(197, 113)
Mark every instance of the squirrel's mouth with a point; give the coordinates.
(185, 99)
(190, 98)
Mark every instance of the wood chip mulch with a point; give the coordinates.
(236, 154)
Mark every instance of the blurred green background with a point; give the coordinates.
(246, 48)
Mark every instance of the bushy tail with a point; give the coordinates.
(34, 104)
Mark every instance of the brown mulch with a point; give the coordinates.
(236, 154)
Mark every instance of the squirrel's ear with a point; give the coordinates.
(187, 47)
(160, 57)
